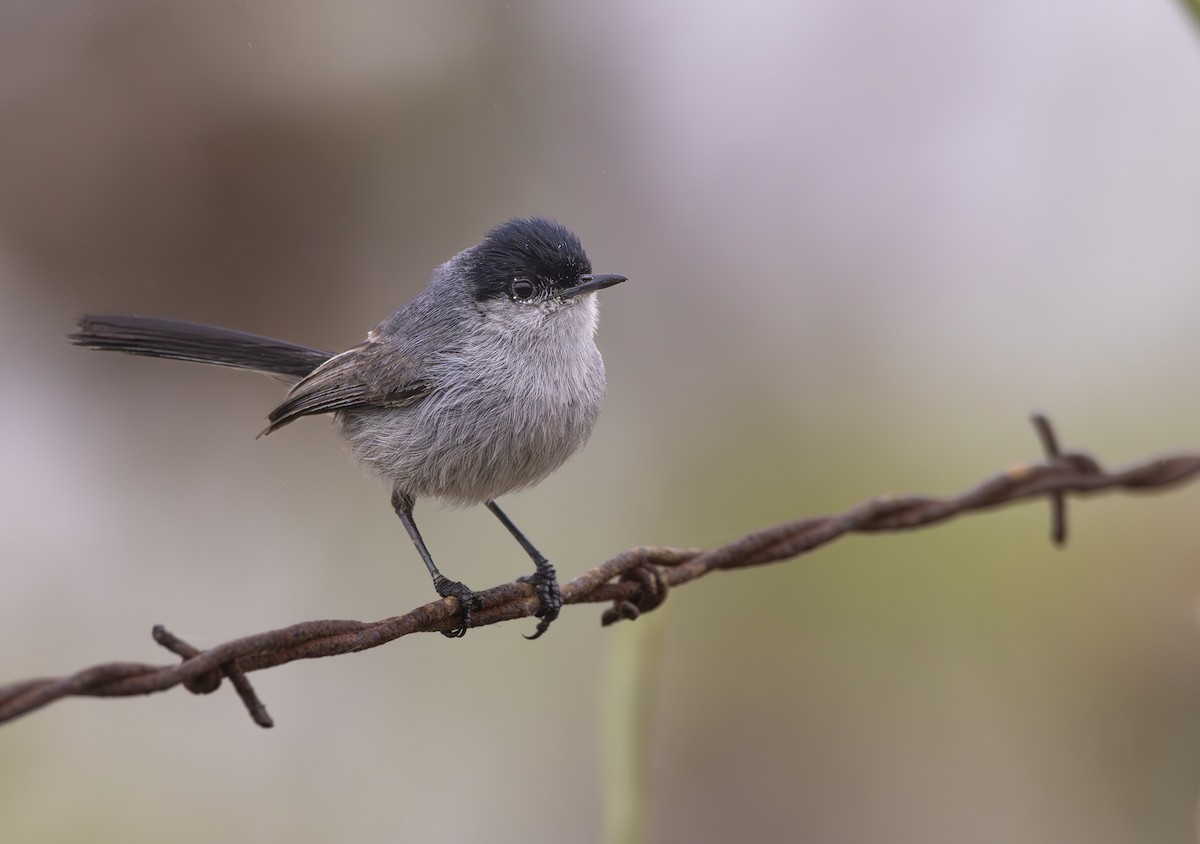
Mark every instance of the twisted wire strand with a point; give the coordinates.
(635, 581)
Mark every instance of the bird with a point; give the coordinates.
(481, 385)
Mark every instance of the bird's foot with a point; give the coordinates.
(467, 600)
(545, 581)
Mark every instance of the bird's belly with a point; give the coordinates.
(472, 445)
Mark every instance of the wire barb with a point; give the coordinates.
(210, 681)
(635, 581)
(1058, 501)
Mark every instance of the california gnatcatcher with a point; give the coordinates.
(483, 384)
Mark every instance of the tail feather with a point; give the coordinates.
(178, 340)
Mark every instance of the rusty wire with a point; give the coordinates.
(635, 582)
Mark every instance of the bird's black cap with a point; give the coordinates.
(527, 247)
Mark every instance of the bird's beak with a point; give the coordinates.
(591, 282)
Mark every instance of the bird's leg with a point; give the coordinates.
(544, 579)
(403, 505)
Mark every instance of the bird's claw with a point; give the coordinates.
(467, 600)
(545, 581)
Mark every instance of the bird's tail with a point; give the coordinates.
(179, 340)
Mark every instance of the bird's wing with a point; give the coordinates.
(365, 376)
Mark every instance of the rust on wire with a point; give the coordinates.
(635, 581)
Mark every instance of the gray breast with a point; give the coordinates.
(508, 411)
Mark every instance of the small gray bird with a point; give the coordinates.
(483, 384)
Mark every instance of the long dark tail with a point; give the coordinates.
(179, 340)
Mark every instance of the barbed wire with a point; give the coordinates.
(635, 581)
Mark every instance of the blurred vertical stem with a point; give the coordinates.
(1193, 8)
(630, 691)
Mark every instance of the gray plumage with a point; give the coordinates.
(505, 391)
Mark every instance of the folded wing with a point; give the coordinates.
(367, 376)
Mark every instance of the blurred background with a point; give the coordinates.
(864, 240)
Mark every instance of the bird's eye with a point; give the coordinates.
(523, 289)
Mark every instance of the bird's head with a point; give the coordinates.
(532, 265)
